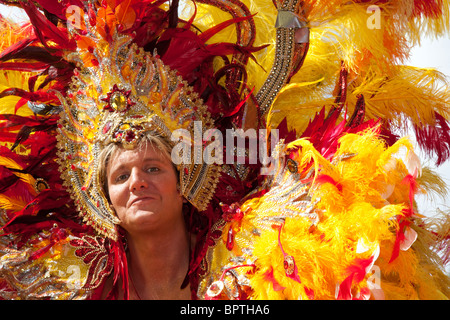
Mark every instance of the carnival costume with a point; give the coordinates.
(331, 216)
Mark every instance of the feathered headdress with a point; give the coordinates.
(125, 93)
(84, 74)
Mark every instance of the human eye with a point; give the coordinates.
(152, 169)
(121, 177)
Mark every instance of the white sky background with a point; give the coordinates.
(432, 53)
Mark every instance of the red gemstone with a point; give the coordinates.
(230, 239)
(130, 136)
(107, 126)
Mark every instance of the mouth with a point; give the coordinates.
(141, 199)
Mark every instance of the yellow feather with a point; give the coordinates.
(9, 163)
(12, 203)
(413, 92)
(434, 185)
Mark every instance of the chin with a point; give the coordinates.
(139, 219)
(149, 219)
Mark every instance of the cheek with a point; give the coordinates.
(166, 186)
(169, 184)
(119, 196)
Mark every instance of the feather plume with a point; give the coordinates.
(46, 30)
(9, 163)
(15, 203)
(433, 184)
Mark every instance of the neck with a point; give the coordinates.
(158, 264)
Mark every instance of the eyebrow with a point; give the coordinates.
(149, 159)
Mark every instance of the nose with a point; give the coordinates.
(137, 181)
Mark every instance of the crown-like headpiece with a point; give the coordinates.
(119, 92)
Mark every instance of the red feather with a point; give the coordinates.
(345, 289)
(359, 268)
(410, 180)
(324, 133)
(285, 133)
(42, 96)
(268, 275)
(17, 47)
(57, 7)
(45, 30)
(400, 236)
(205, 36)
(435, 139)
(323, 178)
(428, 8)
(23, 66)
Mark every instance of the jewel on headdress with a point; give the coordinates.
(118, 100)
(292, 165)
(127, 134)
(40, 185)
(107, 126)
(289, 265)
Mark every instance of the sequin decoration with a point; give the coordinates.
(289, 265)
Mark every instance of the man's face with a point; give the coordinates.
(142, 185)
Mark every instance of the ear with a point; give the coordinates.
(178, 189)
